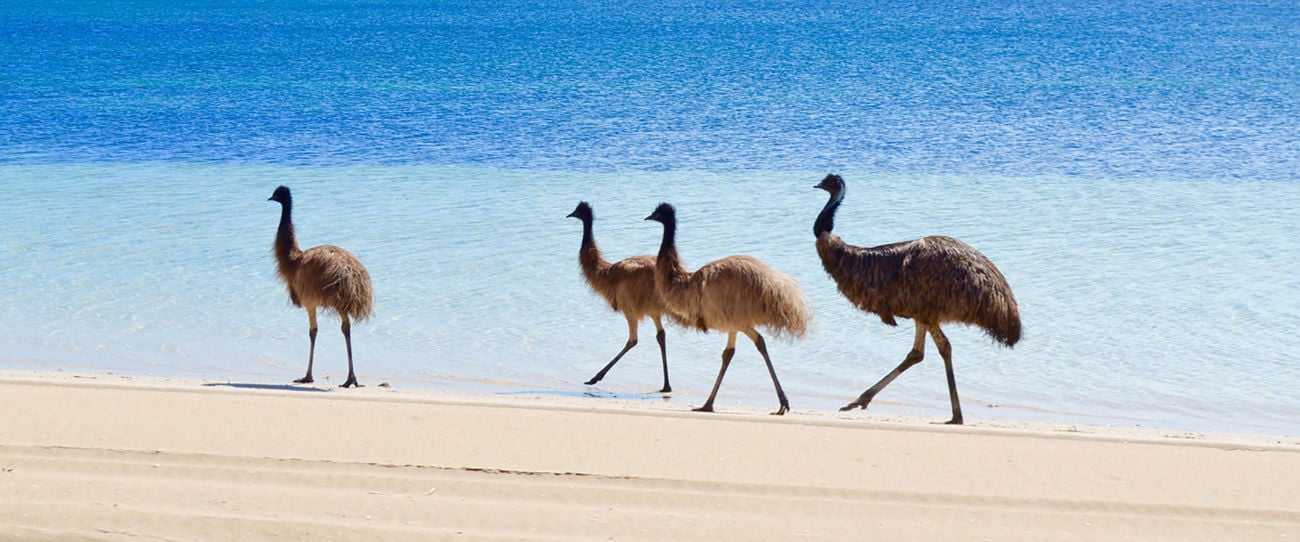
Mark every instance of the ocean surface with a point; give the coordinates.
(1132, 167)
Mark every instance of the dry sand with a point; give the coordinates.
(115, 458)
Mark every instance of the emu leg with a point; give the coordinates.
(945, 350)
(347, 339)
(726, 360)
(663, 353)
(762, 349)
(914, 357)
(631, 341)
(311, 353)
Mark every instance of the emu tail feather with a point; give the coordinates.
(1001, 320)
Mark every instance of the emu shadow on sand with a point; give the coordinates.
(736, 294)
(628, 286)
(933, 280)
(325, 277)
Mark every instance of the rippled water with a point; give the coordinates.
(1129, 166)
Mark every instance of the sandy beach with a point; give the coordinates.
(109, 457)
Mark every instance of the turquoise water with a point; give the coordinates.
(1129, 166)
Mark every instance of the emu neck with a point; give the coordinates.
(286, 243)
(826, 219)
(589, 255)
(669, 263)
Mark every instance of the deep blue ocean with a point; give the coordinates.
(1132, 167)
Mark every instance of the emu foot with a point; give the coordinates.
(667, 389)
(862, 402)
(705, 408)
(781, 411)
(351, 383)
(591, 382)
(304, 380)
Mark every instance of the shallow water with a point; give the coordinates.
(1135, 309)
(1129, 166)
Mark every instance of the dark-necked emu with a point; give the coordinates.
(628, 285)
(325, 277)
(933, 280)
(735, 294)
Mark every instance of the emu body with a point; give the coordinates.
(323, 277)
(933, 281)
(629, 288)
(736, 294)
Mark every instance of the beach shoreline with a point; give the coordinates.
(112, 457)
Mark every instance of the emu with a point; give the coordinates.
(736, 294)
(933, 280)
(628, 286)
(325, 277)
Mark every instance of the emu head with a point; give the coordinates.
(582, 212)
(664, 214)
(832, 183)
(281, 195)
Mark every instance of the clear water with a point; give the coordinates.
(1130, 166)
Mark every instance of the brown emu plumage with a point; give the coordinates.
(736, 294)
(629, 288)
(933, 280)
(325, 277)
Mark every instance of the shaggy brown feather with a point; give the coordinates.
(934, 279)
(735, 294)
(328, 277)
